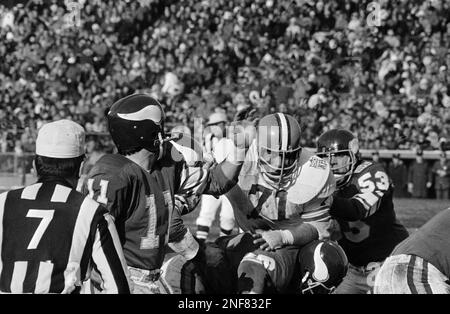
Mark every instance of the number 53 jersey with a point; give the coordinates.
(374, 237)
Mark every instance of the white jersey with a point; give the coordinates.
(306, 199)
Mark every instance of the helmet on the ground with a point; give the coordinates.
(337, 143)
(278, 141)
(323, 265)
(136, 122)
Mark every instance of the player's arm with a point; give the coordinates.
(181, 240)
(316, 224)
(107, 255)
(302, 234)
(372, 185)
(224, 176)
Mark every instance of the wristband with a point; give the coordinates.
(187, 247)
(288, 238)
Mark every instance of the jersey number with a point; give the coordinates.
(151, 240)
(368, 186)
(102, 199)
(46, 216)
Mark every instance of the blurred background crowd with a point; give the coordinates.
(322, 61)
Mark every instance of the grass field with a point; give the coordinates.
(413, 213)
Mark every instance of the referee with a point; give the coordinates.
(51, 236)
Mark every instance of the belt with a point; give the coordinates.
(145, 275)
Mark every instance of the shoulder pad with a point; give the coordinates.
(114, 168)
(311, 181)
(363, 166)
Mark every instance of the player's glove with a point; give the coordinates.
(243, 127)
(273, 239)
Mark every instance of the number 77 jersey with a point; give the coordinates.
(373, 237)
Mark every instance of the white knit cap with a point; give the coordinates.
(60, 139)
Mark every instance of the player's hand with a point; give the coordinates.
(242, 133)
(260, 241)
(247, 113)
(273, 240)
(243, 127)
(428, 184)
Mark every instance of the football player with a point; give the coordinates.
(321, 266)
(363, 207)
(283, 197)
(138, 185)
(421, 263)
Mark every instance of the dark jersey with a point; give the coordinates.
(431, 242)
(372, 238)
(50, 236)
(143, 202)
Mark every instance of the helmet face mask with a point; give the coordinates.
(309, 286)
(340, 148)
(278, 139)
(342, 164)
(278, 164)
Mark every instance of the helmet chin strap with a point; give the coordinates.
(161, 142)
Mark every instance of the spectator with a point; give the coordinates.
(417, 177)
(399, 175)
(192, 60)
(441, 174)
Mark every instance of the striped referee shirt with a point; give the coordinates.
(50, 238)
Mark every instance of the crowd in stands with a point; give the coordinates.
(321, 61)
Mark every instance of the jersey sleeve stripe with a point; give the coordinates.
(80, 236)
(18, 276)
(192, 177)
(371, 198)
(2, 210)
(318, 212)
(30, 192)
(44, 277)
(323, 217)
(60, 194)
(363, 202)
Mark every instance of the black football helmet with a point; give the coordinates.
(136, 122)
(335, 143)
(323, 266)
